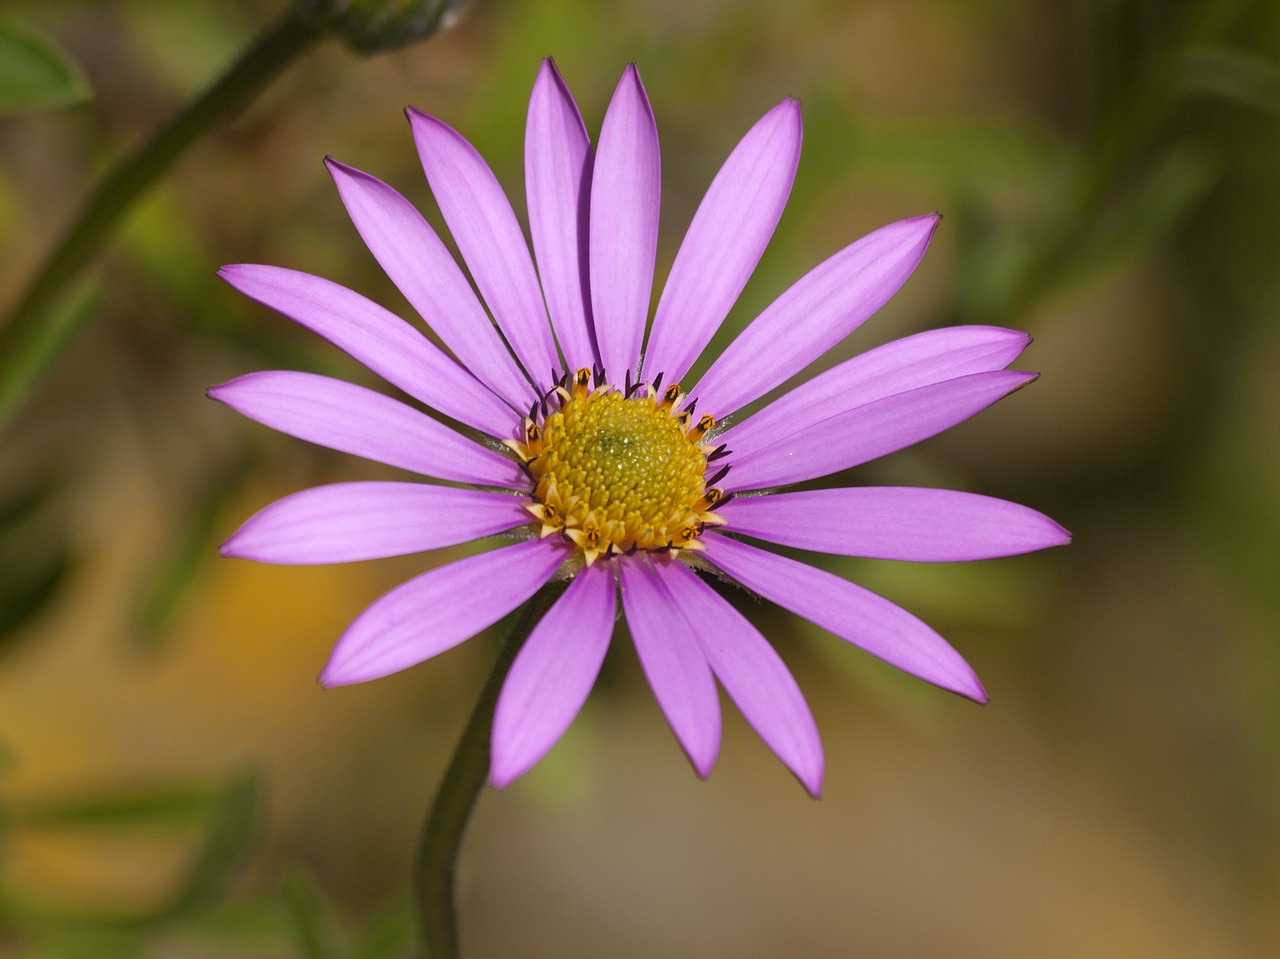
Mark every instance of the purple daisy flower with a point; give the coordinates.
(594, 460)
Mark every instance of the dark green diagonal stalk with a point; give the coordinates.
(52, 310)
(467, 773)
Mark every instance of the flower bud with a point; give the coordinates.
(370, 26)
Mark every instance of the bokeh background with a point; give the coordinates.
(174, 783)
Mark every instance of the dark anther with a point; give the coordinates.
(693, 404)
(657, 383)
(598, 371)
(718, 477)
(718, 452)
(627, 393)
(533, 410)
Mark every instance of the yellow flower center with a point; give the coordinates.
(615, 473)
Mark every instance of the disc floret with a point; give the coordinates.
(619, 471)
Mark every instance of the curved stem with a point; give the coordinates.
(467, 773)
(42, 324)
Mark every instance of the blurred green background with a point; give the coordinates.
(173, 783)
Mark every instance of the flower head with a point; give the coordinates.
(587, 452)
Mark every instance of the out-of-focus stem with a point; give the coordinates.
(43, 324)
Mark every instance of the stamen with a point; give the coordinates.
(616, 472)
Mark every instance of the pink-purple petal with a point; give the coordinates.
(817, 312)
(346, 522)
(417, 262)
(905, 364)
(672, 661)
(440, 609)
(857, 615)
(893, 522)
(752, 673)
(355, 420)
(824, 446)
(557, 174)
(625, 194)
(725, 241)
(379, 339)
(552, 674)
(487, 233)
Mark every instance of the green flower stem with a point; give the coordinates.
(467, 773)
(42, 325)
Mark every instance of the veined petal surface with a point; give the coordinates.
(752, 672)
(440, 609)
(557, 174)
(626, 187)
(355, 420)
(725, 241)
(870, 431)
(553, 673)
(417, 262)
(906, 364)
(854, 614)
(482, 222)
(673, 662)
(894, 522)
(817, 312)
(379, 339)
(346, 522)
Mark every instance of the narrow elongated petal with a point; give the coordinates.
(673, 662)
(352, 419)
(821, 309)
(906, 364)
(753, 674)
(440, 609)
(417, 262)
(346, 522)
(728, 235)
(485, 228)
(854, 614)
(625, 193)
(553, 673)
(557, 174)
(875, 429)
(379, 339)
(894, 522)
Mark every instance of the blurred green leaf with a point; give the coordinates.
(34, 557)
(315, 926)
(1232, 75)
(388, 936)
(194, 547)
(1169, 191)
(21, 371)
(158, 808)
(227, 843)
(34, 72)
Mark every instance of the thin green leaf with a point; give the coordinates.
(24, 599)
(154, 808)
(1169, 191)
(389, 936)
(1232, 75)
(32, 357)
(315, 925)
(194, 548)
(34, 72)
(227, 843)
